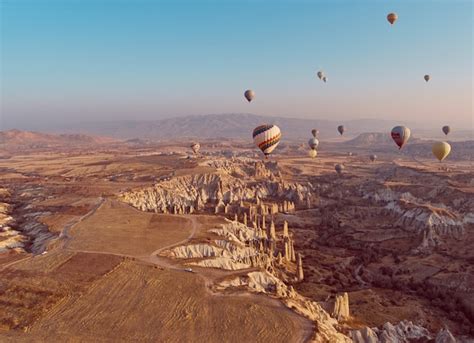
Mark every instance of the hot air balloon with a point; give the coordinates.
(427, 77)
(373, 157)
(400, 134)
(341, 129)
(195, 147)
(441, 150)
(446, 129)
(325, 79)
(249, 95)
(339, 168)
(312, 153)
(392, 18)
(266, 137)
(314, 132)
(313, 143)
(320, 74)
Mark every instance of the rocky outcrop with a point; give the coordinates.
(220, 189)
(419, 215)
(341, 307)
(405, 331)
(445, 336)
(299, 267)
(365, 335)
(9, 237)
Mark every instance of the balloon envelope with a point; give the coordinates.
(320, 74)
(339, 168)
(400, 134)
(314, 132)
(341, 129)
(325, 79)
(266, 137)
(312, 153)
(313, 143)
(249, 95)
(427, 77)
(392, 18)
(373, 157)
(441, 150)
(446, 129)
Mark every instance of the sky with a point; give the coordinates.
(70, 61)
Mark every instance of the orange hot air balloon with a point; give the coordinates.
(392, 18)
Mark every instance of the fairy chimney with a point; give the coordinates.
(341, 307)
(299, 268)
(285, 229)
(272, 230)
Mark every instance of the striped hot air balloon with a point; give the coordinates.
(266, 137)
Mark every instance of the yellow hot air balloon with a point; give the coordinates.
(441, 150)
(313, 153)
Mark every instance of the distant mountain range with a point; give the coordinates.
(237, 126)
(19, 138)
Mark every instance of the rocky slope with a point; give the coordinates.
(243, 248)
(230, 184)
(420, 215)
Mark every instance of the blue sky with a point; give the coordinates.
(81, 60)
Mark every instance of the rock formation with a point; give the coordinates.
(341, 307)
(405, 331)
(299, 267)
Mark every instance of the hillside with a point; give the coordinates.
(25, 139)
(228, 126)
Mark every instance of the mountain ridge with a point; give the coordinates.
(230, 125)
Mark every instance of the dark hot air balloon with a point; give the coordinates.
(249, 95)
(341, 129)
(392, 18)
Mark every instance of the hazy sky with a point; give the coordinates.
(83, 60)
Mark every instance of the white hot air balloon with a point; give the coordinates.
(401, 135)
(313, 143)
(266, 137)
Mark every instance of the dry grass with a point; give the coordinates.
(137, 302)
(118, 228)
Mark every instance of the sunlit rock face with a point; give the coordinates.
(405, 331)
(231, 183)
(422, 215)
